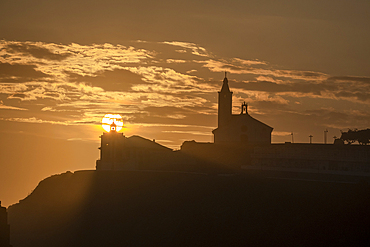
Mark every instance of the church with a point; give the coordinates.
(238, 128)
(236, 133)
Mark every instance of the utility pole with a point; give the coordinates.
(310, 136)
(325, 135)
(292, 137)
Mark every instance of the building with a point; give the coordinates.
(320, 158)
(238, 128)
(4, 228)
(118, 152)
(234, 139)
(240, 142)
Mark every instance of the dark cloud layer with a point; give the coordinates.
(350, 78)
(36, 51)
(19, 73)
(325, 88)
(115, 80)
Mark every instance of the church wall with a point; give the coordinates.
(242, 130)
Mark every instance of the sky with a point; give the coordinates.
(302, 67)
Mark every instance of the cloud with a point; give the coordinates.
(341, 119)
(281, 133)
(359, 96)
(37, 90)
(174, 125)
(7, 107)
(81, 59)
(248, 62)
(328, 89)
(36, 51)
(110, 80)
(73, 84)
(15, 73)
(175, 61)
(350, 79)
(191, 71)
(206, 133)
(172, 112)
(196, 49)
(34, 120)
(270, 104)
(166, 80)
(221, 66)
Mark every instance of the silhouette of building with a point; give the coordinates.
(234, 139)
(240, 142)
(238, 128)
(118, 152)
(323, 158)
(4, 228)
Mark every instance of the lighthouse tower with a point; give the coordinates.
(112, 143)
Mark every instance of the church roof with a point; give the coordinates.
(225, 85)
(249, 116)
(237, 118)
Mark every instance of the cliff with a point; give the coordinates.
(128, 208)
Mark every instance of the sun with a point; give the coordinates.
(108, 119)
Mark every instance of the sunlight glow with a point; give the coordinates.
(108, 119)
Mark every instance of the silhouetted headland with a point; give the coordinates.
(4, 228)
(133, 208)
(240, 190)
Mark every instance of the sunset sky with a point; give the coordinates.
(302, 67)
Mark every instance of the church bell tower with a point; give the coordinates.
(224, 103)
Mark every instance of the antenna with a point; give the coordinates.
(310, 136)
(292, 137)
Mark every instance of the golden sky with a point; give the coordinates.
(302, 67)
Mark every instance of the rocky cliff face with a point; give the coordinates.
(90, 208)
